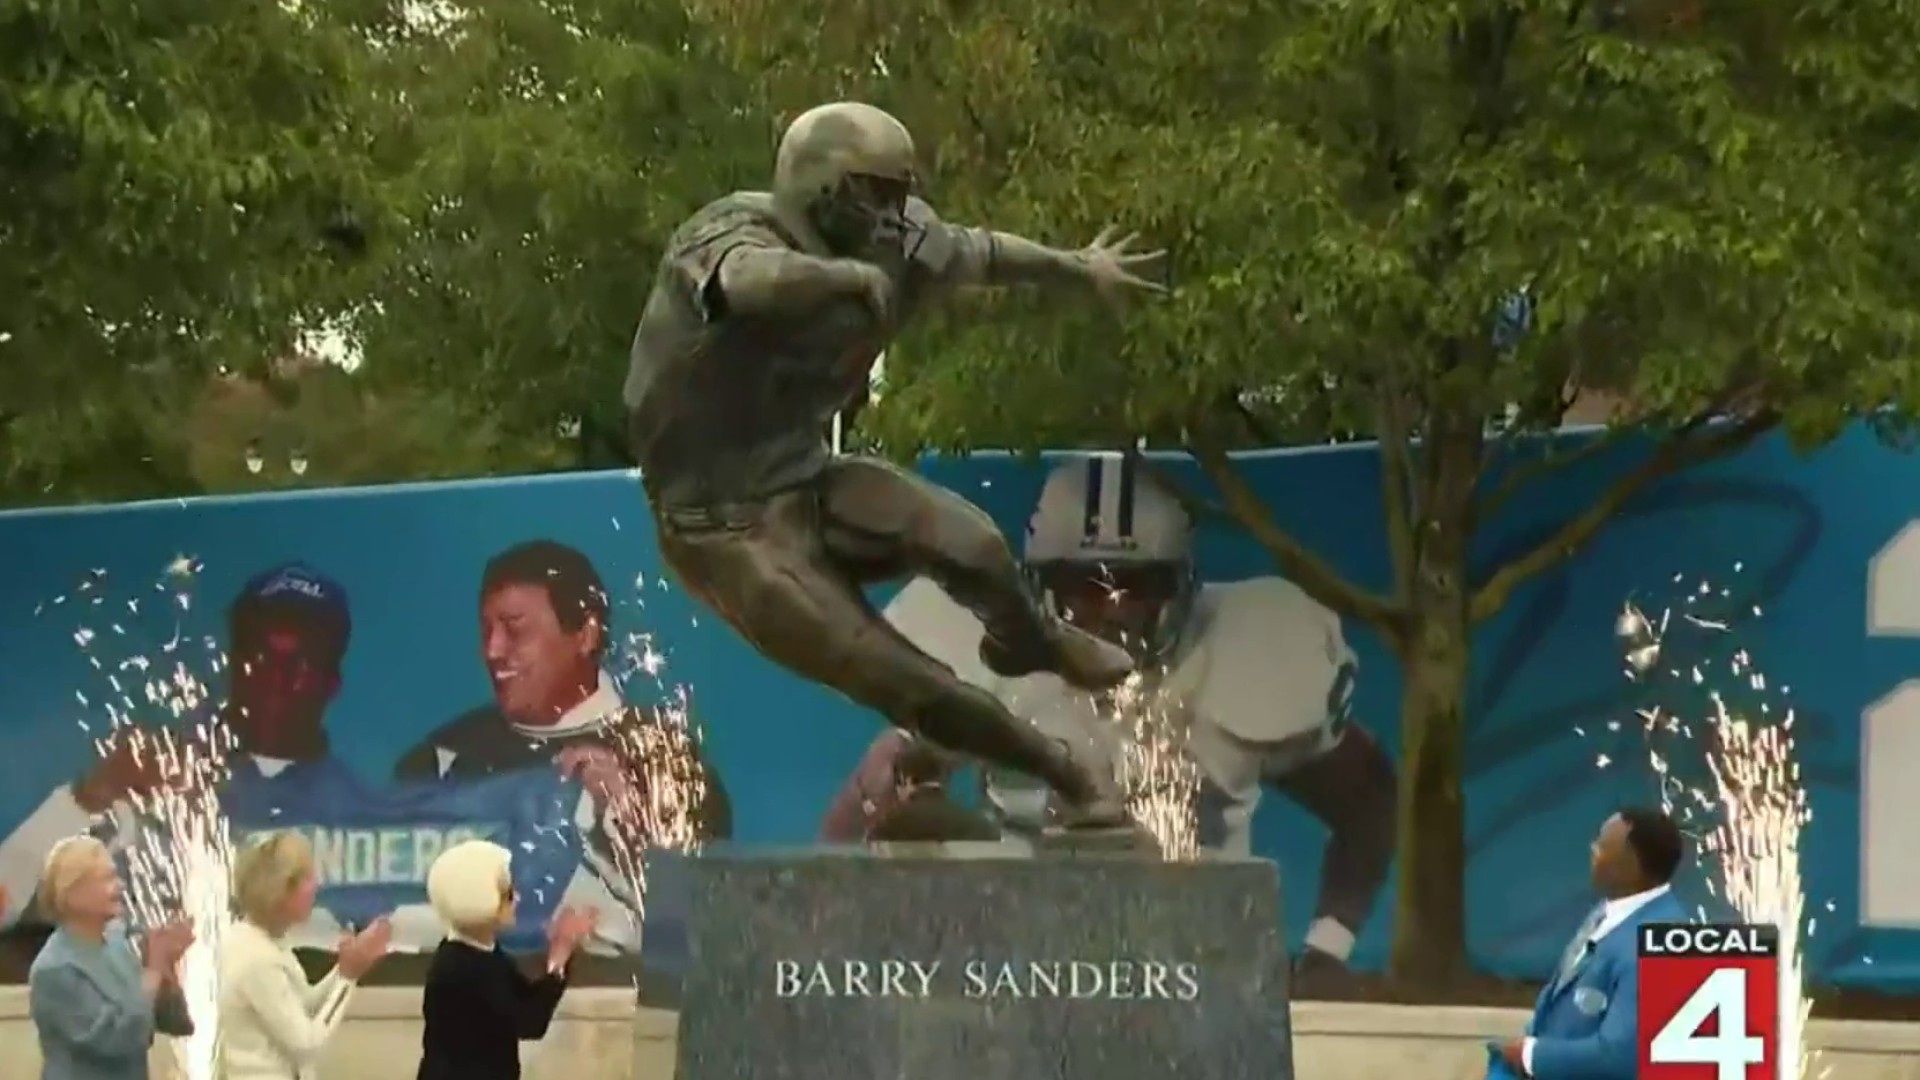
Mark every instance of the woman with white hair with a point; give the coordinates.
(478, 1005)
(273, 1022)
(96, 1003)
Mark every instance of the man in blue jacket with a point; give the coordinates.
(1584, 1024)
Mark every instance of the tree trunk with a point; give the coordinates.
(1430, 923)
(1429, 928)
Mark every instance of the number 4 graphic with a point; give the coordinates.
(1731, 1050)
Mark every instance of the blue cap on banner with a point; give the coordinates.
(297, 587)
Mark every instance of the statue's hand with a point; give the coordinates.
(869, 284)
(1115, 266)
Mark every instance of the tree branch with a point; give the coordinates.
(1198, 509)
(987, 140)
(1396, 467)
(1302, 567)
(1521, 476)
(1739, 396)
(1674, 455)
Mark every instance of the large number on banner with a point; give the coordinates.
(1890, 745)
(1731, 1049)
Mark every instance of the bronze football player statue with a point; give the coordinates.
(766, 316)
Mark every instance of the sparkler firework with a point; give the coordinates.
(1751, 808)
(191, 861)
(661, 803)
(1159, 777)
(161, 726)
(1156, 771)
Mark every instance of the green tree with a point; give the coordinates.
(550, 149)
(181, 183)
(1710, 205)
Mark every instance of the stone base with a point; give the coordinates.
(830, 964)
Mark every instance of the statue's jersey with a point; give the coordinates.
(725, 407)
(372, 845)
(1261, 679)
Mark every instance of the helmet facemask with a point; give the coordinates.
(1140, 606)
(864, 216)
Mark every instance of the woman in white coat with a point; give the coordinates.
(273, 1022)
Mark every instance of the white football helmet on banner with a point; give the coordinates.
(1111, 551)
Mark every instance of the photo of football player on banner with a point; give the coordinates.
(1258, 677)
(533, 770)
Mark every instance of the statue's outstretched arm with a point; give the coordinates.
(963, 255)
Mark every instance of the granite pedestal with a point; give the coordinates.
(981, 965)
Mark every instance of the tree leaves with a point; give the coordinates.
(167, 168)
(553, 148)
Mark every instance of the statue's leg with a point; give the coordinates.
(777, 584)
(872, 506)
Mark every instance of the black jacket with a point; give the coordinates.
(478, 1006)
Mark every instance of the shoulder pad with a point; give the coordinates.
(734, 215)
(1262, 598)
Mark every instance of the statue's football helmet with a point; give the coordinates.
(847, 170)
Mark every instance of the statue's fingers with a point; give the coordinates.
(1143, 258)
(1125, 242)
(1100, 241)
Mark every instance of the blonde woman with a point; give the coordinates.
(274, 1023)
(95, 1003)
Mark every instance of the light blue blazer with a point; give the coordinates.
(1586, 1027)
(93, 1021)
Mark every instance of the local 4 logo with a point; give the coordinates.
(1709, 1002)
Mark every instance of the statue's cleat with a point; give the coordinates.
(1083, 660)
(1096, 802)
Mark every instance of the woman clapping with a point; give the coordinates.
(96, 1002)
(274, 1023)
